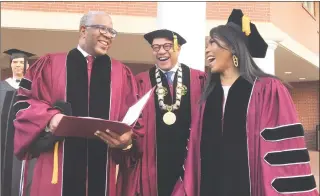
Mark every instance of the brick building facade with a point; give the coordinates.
(305, 95)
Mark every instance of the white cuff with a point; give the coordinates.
(48, 130)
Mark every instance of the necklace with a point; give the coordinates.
(169, 117)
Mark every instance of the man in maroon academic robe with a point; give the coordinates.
(83, 82)
(167, 116)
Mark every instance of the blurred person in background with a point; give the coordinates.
(11, 167)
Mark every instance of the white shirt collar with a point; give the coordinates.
(12, 82)
(174, 69)
(84, 53)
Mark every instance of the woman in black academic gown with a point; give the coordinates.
(252, 143)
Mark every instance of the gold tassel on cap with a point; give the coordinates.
(55, 164)
(246, 25)
(175, 43)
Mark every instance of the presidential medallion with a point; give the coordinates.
(169, 118)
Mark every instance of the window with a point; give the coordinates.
(309, 6)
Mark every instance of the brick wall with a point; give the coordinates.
(306, 98)
(114, 8)
(258, 11)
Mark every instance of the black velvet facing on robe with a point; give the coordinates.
(26, 84)
(21, 98)
(80, 153)
(282, 133)
(211, 150)
(294, 184)
(46, 140)
(7, 134)
(224, 158)
(287, 157)
(20, 106)
(171, 140)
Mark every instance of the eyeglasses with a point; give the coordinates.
(104, 30)
(157, 47)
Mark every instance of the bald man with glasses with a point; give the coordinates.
(83, 82)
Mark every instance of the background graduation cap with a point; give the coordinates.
(16, 53)
(177, 39)
(256, 44)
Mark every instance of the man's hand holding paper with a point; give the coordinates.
(54, 122)
(86, 127)
(115, 140)
(124, 141)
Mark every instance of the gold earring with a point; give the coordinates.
(235, 60)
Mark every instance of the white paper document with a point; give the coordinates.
(134, 111)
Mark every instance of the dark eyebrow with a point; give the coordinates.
(215, 40)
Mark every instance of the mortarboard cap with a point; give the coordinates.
(16, 53)
(164, 33)
(255, 43)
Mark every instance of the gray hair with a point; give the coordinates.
(87, 18)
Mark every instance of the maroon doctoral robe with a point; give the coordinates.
(256, 148)
(165, 147)
(81, 162)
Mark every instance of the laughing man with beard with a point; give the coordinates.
(166, 117)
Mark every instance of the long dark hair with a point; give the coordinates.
(235, 39)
